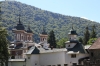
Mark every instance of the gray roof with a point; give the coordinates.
(78, 47)
(53, 50)
(33, 50)
(29, 30)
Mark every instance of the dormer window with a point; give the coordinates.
(68, 45)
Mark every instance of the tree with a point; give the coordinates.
(80, 40)
(93, 33)
(86, 36)
(91, 41)
(4, 55)
(51, 39)
(61, 42)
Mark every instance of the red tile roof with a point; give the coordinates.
(96, 44)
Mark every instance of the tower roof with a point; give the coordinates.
(72, 32)
(20, 26)
(44, 32)
(29, 30)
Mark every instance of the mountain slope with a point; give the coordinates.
(38, 18)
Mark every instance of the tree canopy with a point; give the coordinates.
(4, 55)
(38, 17)
(61, 43)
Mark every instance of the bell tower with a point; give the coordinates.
(43, 36)
(72, 34)
(72, 39)
(29, 35)
(19, 31)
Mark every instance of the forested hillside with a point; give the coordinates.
(38, 18)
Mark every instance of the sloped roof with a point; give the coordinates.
(33, 50)
(78, 47)
(19, 46)
(96, 44)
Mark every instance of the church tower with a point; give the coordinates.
(43, 35)
(72, 39)
(22, 41)
(19, 31)
(72, 34)
(43, 39)
(29, 35)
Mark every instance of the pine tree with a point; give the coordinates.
(51, 39)
(86, 36)
(93, 33)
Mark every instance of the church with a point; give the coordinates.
(25, 52)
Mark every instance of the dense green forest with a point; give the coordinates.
(37, 18)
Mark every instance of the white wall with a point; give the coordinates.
(33, 61)
(16, 63)
(52, 58)
(70, 60)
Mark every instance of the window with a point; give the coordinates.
(65, 64)
(35, 63)
(92, 54)
(74, 64)
(24, 51)
(53, 65)
(48, 65)
(68, 45)
(73, 55)
(59, 65)
(12, 57)
(28, 57)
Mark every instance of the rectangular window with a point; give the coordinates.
(59, 65)
(28, 57)
(48, 65)
(65, 64)
(73, 55)
(74, 64)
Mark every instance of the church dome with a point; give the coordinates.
(20, 26)
(29, 30)
(44, 32)
(72, 32)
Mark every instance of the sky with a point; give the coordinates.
(87, 9)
